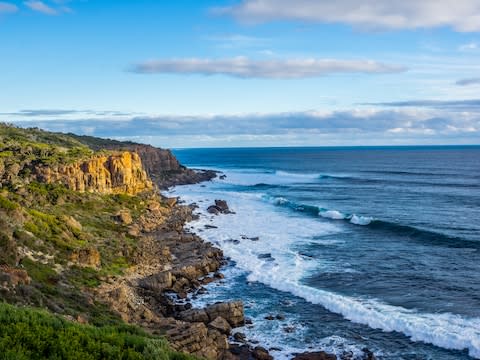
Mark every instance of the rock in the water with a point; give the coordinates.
(261, 353)
(319, 355)
(221, 325)
(215, 210)
(222, 205)
(240, 337)
(368, 355)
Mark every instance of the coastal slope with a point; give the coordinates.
(86, 236)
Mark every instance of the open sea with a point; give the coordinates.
(366, 247)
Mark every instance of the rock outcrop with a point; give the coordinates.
(160, 164)
(120, 173)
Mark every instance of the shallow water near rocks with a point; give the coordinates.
(357, 247)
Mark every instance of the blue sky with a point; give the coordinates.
(244, 72)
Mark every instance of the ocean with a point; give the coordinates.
(348, 248)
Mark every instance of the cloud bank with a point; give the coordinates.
(468, 81)
(243, 67)
(462, 15)
(353, 127)
(456, 105)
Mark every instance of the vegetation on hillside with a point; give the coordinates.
(29, 334)
(56, 246)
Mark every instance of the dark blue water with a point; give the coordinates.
(359, 247)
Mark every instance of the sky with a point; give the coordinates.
(201, 73)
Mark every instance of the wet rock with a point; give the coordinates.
(215, 210)
(280, 317)
(240, 337)
(222, 205)
(218, 275)
(319, 355)
(368, 355)
(267, 256)
(289, 329)
(233, 241)
(269, 317)
(261, 353)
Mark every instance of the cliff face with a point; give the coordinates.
(160, 164)
(156, 160)
(112, 174)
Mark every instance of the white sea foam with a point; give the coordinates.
(360, 220)
(285, 268)
(332, 214)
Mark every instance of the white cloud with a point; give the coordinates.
(7, 8)
(41, 7)
(461, 15)
(273, 69)
(471, 46)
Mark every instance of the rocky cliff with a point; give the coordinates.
(160, 164)
(121, 173)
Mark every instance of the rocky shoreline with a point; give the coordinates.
(171, 265)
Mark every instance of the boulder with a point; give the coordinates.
(198, 340)
(88, 257)
(222, 205)
(215, 210)
(230, 311)
(221, 325)
(157, 282)
(319, 355)
(13, 277)
(261, 353)
(194, 315)
(124, 217)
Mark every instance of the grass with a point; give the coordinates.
(27, 333)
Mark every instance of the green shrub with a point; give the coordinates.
(27, 333)
(7, 204)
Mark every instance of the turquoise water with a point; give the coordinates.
(358, 247)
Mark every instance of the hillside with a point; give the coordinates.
(86, 236)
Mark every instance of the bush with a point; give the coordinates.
(27, 333)
(7, 204)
